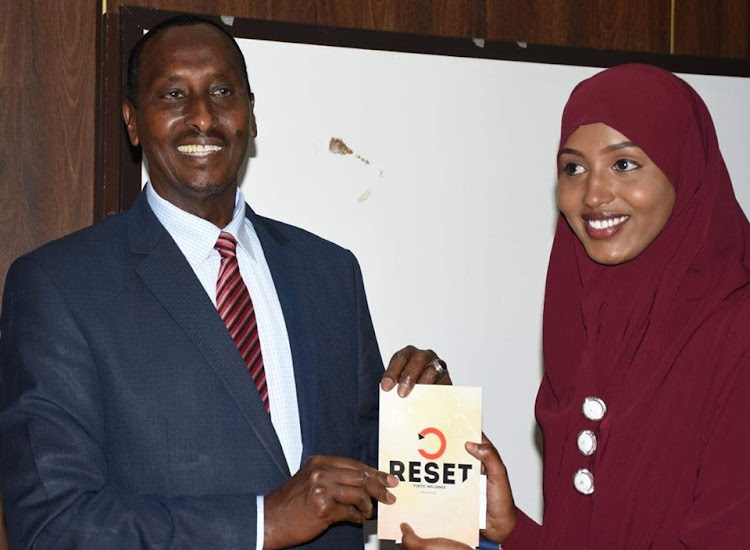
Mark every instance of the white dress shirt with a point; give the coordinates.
(196, 238)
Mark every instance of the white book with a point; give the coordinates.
(422, 441)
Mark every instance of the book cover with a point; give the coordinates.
(422, 441)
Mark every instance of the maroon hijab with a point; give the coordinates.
(621, 332)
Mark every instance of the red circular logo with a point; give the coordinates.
(432, 456)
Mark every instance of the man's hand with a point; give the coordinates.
(411, 366)
(326, 490)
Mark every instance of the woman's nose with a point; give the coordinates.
(598, 191)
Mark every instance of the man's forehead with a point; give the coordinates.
(174, 39)
(179, 46)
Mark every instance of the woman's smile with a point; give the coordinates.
(604, 226)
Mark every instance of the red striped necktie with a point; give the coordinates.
(236, 309)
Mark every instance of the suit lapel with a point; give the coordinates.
(165, 271)
(287, 266)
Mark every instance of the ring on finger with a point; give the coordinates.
(439, 367)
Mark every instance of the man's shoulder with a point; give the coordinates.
(293, 235)
(98, 240)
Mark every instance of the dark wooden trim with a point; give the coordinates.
(480, 19)
(133, 23)
(451, 46)
(107, 117)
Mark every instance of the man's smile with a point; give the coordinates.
(199, 150)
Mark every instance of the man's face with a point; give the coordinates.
(194, 116)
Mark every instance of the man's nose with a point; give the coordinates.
(201, 114)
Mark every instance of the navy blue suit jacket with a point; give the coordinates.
(127, 416)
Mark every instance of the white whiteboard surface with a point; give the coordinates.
(446, 198)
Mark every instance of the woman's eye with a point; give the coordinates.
(626, 165)
(573, 169)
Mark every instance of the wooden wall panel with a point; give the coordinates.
(47, 63)
(439, 17)
(720, 29)
(601, 24)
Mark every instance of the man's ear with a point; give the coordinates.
(128, 115)
(253, 122)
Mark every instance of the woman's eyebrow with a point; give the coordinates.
(616, 146)
(607, 149)
(569, 151)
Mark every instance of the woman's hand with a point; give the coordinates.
(501, 510)
(411, 541)
(410, 366)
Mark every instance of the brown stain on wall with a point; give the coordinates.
(338, 147)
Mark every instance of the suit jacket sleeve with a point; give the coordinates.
(53, 465)
(370, 374)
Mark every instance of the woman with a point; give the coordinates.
(644, 402)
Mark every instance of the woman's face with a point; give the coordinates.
(613, 196)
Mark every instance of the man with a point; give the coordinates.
(127, 413)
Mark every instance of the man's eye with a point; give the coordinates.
(173, 94)
(221, 92)
(626, 165)
(573, 169)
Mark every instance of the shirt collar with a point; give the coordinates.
(195, 236)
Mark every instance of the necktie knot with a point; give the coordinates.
(226, 245)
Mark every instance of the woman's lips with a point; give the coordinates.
(603, 226)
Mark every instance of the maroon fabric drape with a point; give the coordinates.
(663, 339)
